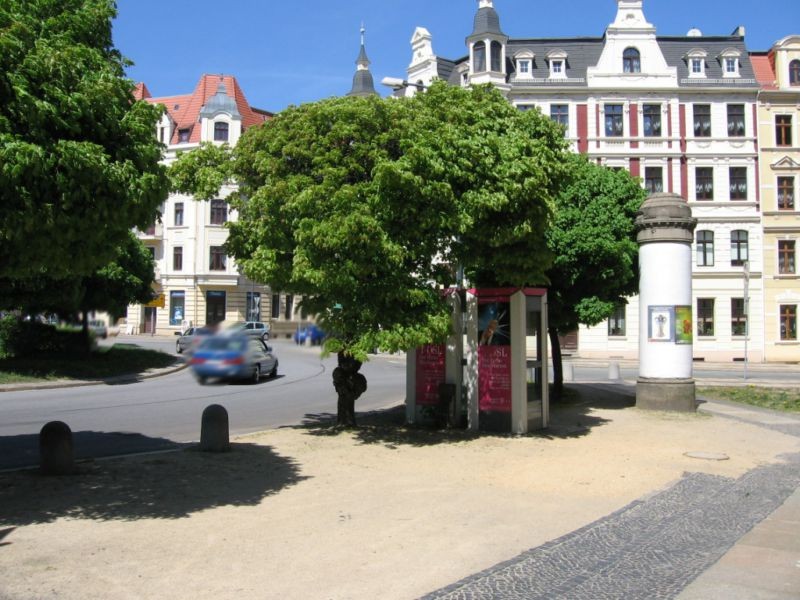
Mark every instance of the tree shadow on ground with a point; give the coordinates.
(165, 486)
(571, 417)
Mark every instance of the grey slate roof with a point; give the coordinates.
(363, 84)
(220, 102)
(486, 21)
(584, 52)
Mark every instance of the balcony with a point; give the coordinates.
(153, 233)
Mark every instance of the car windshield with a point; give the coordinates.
(223, 343)
(202, 331)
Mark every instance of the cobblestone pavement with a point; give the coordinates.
(651, 549)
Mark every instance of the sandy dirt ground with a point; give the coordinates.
(385, 512)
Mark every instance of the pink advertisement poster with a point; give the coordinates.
(430, 373)
(494, 378)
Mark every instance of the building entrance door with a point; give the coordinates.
(149, 325)
(215, 307)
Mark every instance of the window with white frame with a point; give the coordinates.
(736, 123)
(631, 61)
(615, 126)
(558, 63)
(705, 317)
(696, 61)
(738, 183)
(786, 257)
(705, 248)
(524, 67)
(738, 317)
(651, 120)
(788, 321)
(740, 248)
(730, 62)
(557, 68)
(785, 193)
(654, 180)
(560, 114)
(616, 322)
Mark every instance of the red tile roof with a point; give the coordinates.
(764, 70)
(141, 92)
(185, 110)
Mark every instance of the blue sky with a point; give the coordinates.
(293, 51)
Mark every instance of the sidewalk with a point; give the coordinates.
(607, 503)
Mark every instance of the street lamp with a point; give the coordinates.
(398, 84)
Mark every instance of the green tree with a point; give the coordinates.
(79, 164)
(594, 244)
(360, 206)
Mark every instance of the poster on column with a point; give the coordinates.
(494, 356)
(430, 365)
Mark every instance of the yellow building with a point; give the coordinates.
(778, 72)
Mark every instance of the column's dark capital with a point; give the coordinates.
(665, 218)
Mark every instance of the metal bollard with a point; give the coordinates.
(56, 455)
(568, 371)
(613, 371)
(214, 436)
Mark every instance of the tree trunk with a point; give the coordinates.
(558, 368)
(349, 385)
(87, 342)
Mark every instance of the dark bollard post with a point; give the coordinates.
(56, 455)
(214, 429)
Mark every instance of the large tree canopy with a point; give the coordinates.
(594, 246)
(79, 164)
(362, 206)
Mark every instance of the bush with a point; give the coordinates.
(31, 339)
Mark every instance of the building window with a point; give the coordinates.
(479, 57)
(704, 183)
(738, 317)
(736, 120)
(705, 317)
(738, 183)
(697, 66)
(178, 214)
(177, 307)
(152, 251)
(739, 248)
(183, 136)
(783, 130)
(702, 120)
(560, 114)
(497, 57)
(786, 257)
(219, 212)
(785, 193)
(217, 259)
(253, 309)
(220, 131)
(794, 73)
(288, 307)
(654, 180)
(651, 119)
(631, 61)
(731, 66)
(705, 248)
(788, 313)
(177, 258)
(616, 323)
(556, 68)
(276, 306)
(524, 67)
(614, 122)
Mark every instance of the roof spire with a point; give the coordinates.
(363, 84)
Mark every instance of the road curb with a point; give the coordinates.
(69, 383)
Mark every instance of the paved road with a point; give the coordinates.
(157, 413)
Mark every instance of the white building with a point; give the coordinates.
(196, 282)
(678, 111)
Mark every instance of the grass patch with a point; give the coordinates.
(120, 359)
(787, 400)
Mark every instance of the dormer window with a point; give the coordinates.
(220, 131)
(464, 78)
(183, 136)
(524, 60)
(730, 62)
(794, 73)
(696, 60)
(558, 64)
(631, 61)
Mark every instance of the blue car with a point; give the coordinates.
(310, 334)
(233, 357)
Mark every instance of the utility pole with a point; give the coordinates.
(746, 312)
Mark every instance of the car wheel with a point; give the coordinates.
(202, 380)
(178, 348)
(257, 374)
(274, 372)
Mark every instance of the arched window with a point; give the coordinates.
(220, 131)
(705, 248)
(794, 73)
(479, 57)
(631, 61)
(739, 248)
(497, 57)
